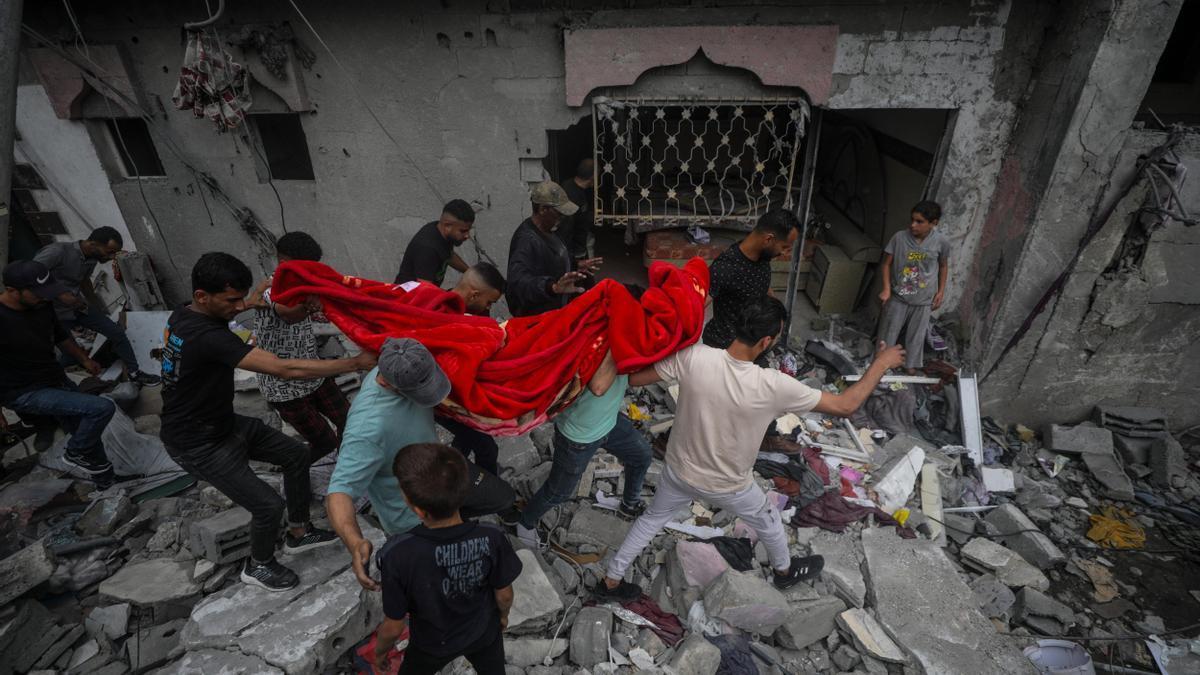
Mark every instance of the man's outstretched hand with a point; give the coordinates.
(889, 357)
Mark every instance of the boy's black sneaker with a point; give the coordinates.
(631, 512)
(624, 592)
(269, 575)
(312, 538)
(86, 464)
(145, 379)
(802, 569)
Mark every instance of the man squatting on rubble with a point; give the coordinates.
(428, 254)
(394, 409)
(202, 433)
(725, 404)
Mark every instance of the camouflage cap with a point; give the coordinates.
(551, 194)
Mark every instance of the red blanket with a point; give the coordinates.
(508, 378)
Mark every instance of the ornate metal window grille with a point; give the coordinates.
(671, 163)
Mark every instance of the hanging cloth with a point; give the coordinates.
(212, 84)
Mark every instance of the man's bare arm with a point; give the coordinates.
(504, 600)
(644, 376)
(458, 263)
(262, 361)
(605, 375)
(340, 508)
(845, 403)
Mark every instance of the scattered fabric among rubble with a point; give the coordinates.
(736, 657)
(737, 551)
(666, 625)
(833, 512)
(893, 411)
(508, 378)
(1115, 528)
(212, 84)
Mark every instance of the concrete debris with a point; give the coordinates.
(697, 656)
(535, 601)
(998, 480)
(1105, 587)
(1019, 533)
(527, 652)
(222, 538)
(590, 635)
(1042, 612)
(1107, 469)
(869, 636)
(24, 570)
(1081, 439)
(843, 566)
(1008, 565)
(597, 527)
(111, 621)
(745, 600)
(897, 483)
(151, 584)
(810, 622)
(152, 647)
(994, 597)
(1167, 464)
(105, 515)
(208, 661)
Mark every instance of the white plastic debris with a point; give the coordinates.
(895, 488)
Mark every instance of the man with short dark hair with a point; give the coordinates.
(742, 272)
(72, 263)
(480, 287)
(431, 249)
(315, 408)
(32, 381)
(203, 434)
(576, 229)
(708, 458)
(541, 273)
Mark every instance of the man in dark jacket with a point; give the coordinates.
(540, 274)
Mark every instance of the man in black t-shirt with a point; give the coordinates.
(450, 579)
(431, 250)
(574, 230)
(32, 381)
(542, 276)
(204, 435)
(743, 272)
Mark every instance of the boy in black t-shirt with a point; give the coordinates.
(451, 579)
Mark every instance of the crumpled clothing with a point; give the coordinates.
(737, 551)
(666, 625)
(795, 479)
(1115, 528)
(212, 84)
(736, 657)
(832, 512)
(892, 410)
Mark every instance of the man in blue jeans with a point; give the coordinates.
(32, 381)
(592, 422)
(72, 264)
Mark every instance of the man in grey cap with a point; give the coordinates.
(394, 409)
(541, 273)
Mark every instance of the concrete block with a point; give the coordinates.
(1008, 565)
(597, 527)
(959, 528)
(810, 622)
(1081, 439)
(24, 570)
(85, 652)
(589, 636)
(29, 623)
(1032, 604)
(1167, 462)
(994, 597)
(111, 621)
(23, 656)
(697, 656)
(64, 642)
(153, 583)
(843, 566)
(534, 598)
(1108, 471)
(153, 646)
(105, 515)
(869, 636)
(207, 661)
(222, 538)
(518, 453)
(1034, 546)
(526, 652)
(747, 601)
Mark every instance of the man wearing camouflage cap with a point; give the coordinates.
(541, 274)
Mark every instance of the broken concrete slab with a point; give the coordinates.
(1167, 463)
(1008, 565)
(1081, 439)
(925, 606)
(697, 656)
(869, 636)
(1108, 471)
(959, 528)
(810, 622)
(152, 583)
(535, 601)
(105, 515)
(112, 621)
(745, 600)
(24, 570)
(518, 453)
(897, 482)
(64, 642)
(28, 624)
(1020, 534)
(597, 527)
(994, 597)
(526, 652)
(590, 635)
(843, 565)
(209, 661)
(153, 646)
(1033, 604)
(222, 538)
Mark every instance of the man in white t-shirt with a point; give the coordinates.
(725, 404)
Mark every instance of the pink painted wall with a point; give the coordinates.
(785, 56)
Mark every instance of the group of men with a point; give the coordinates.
(708, 457)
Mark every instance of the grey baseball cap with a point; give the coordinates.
(409, 367)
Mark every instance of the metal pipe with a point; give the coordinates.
(199, 25)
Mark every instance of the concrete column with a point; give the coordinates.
(10, 58)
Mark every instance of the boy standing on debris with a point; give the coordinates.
(592, 422)
(452, 580)
(310, 406)
(203, 434)
(922, 252)
(725, 404)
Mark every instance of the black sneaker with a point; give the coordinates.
(631, 512)
(802, 569)
(88, 465)
(145, 379)
(269, 575)
(624, 592)
(107, 479)
(312, 538)
(510, 516)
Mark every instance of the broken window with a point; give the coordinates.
(1174, 92)
(282, 147)
(131, 138)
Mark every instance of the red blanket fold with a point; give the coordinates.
(508, 378)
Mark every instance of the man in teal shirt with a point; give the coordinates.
(393, 409)
(592, 422)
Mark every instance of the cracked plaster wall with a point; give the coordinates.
(467, 108)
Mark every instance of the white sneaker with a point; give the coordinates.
(529, 537)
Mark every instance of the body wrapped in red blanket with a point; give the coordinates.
(508, 378)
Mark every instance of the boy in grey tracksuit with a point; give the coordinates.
(915, 269)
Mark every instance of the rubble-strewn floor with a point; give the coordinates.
(137, 580)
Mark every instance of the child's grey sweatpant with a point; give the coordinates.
(913, 320)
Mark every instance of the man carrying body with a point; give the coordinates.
(32, 381)
(310, 406)
(431, 249)
(394, 409)
(592, 422)
(576, 229)
(742, 273)
(541, 273)
(725, 405)
(72, 263)
(203, 434)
